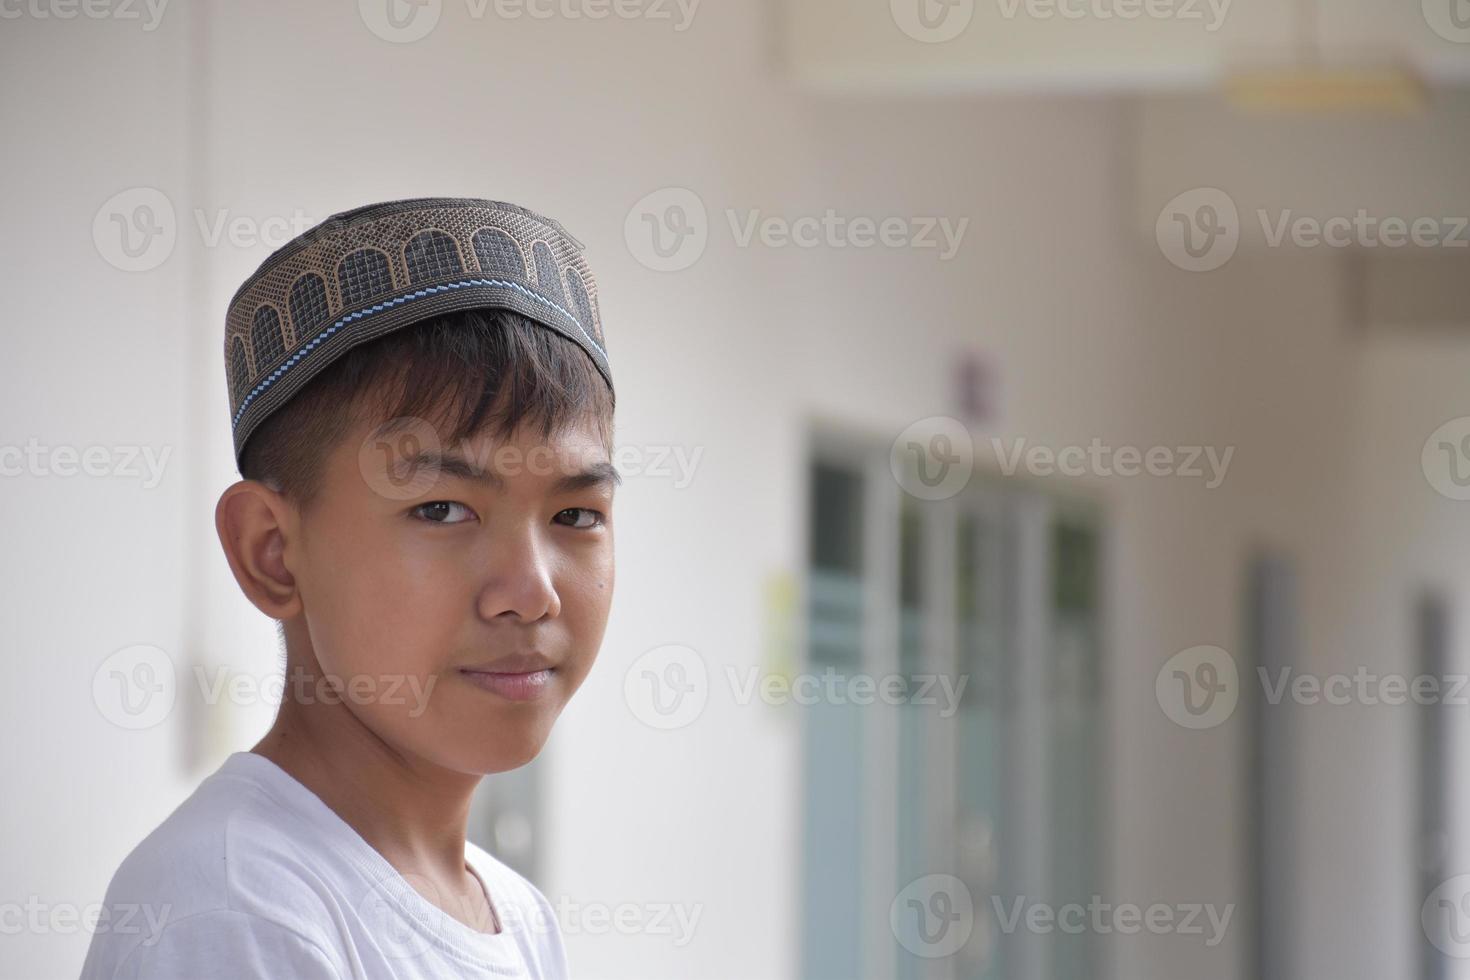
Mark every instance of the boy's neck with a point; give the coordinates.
(410, 811)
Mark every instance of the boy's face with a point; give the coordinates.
(411, 568)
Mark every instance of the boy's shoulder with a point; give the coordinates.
(230, 851)
(225, 841)
(255, 871)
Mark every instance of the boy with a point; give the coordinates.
(422, 410)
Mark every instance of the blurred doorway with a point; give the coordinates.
(1271, 638)
(967, 789)
(1432, 645)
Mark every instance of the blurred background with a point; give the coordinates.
(1044, 547)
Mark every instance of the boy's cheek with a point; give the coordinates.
(378, 641)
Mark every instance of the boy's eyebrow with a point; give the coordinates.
(597, 474)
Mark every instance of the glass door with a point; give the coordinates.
(969, 784)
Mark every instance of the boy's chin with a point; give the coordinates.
(504, 749)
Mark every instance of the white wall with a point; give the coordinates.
(1087, 46)
(93, 357)
(1292, 167)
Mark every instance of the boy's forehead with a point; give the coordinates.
(574, 447)
(405, 456)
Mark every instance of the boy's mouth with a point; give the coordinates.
(518, 677)
(514, 663)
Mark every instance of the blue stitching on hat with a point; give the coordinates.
(397, 300)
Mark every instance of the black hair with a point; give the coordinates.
(465, 372)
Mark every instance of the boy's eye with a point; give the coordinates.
(584, 518)
(443, 512)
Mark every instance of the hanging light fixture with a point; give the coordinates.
(1309, 83)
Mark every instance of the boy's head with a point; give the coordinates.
(433, 493)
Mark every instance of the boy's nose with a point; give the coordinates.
(518, 583)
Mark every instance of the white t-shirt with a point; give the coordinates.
(253, 876)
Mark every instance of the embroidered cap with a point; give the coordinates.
(363, 273)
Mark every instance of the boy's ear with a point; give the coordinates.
(254, 522)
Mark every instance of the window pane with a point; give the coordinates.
(979, 607)
(911, 850)
(1073, 679)
(833, 784)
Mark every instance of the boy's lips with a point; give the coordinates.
(518, 677)
(524, 686)
(515, 663)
